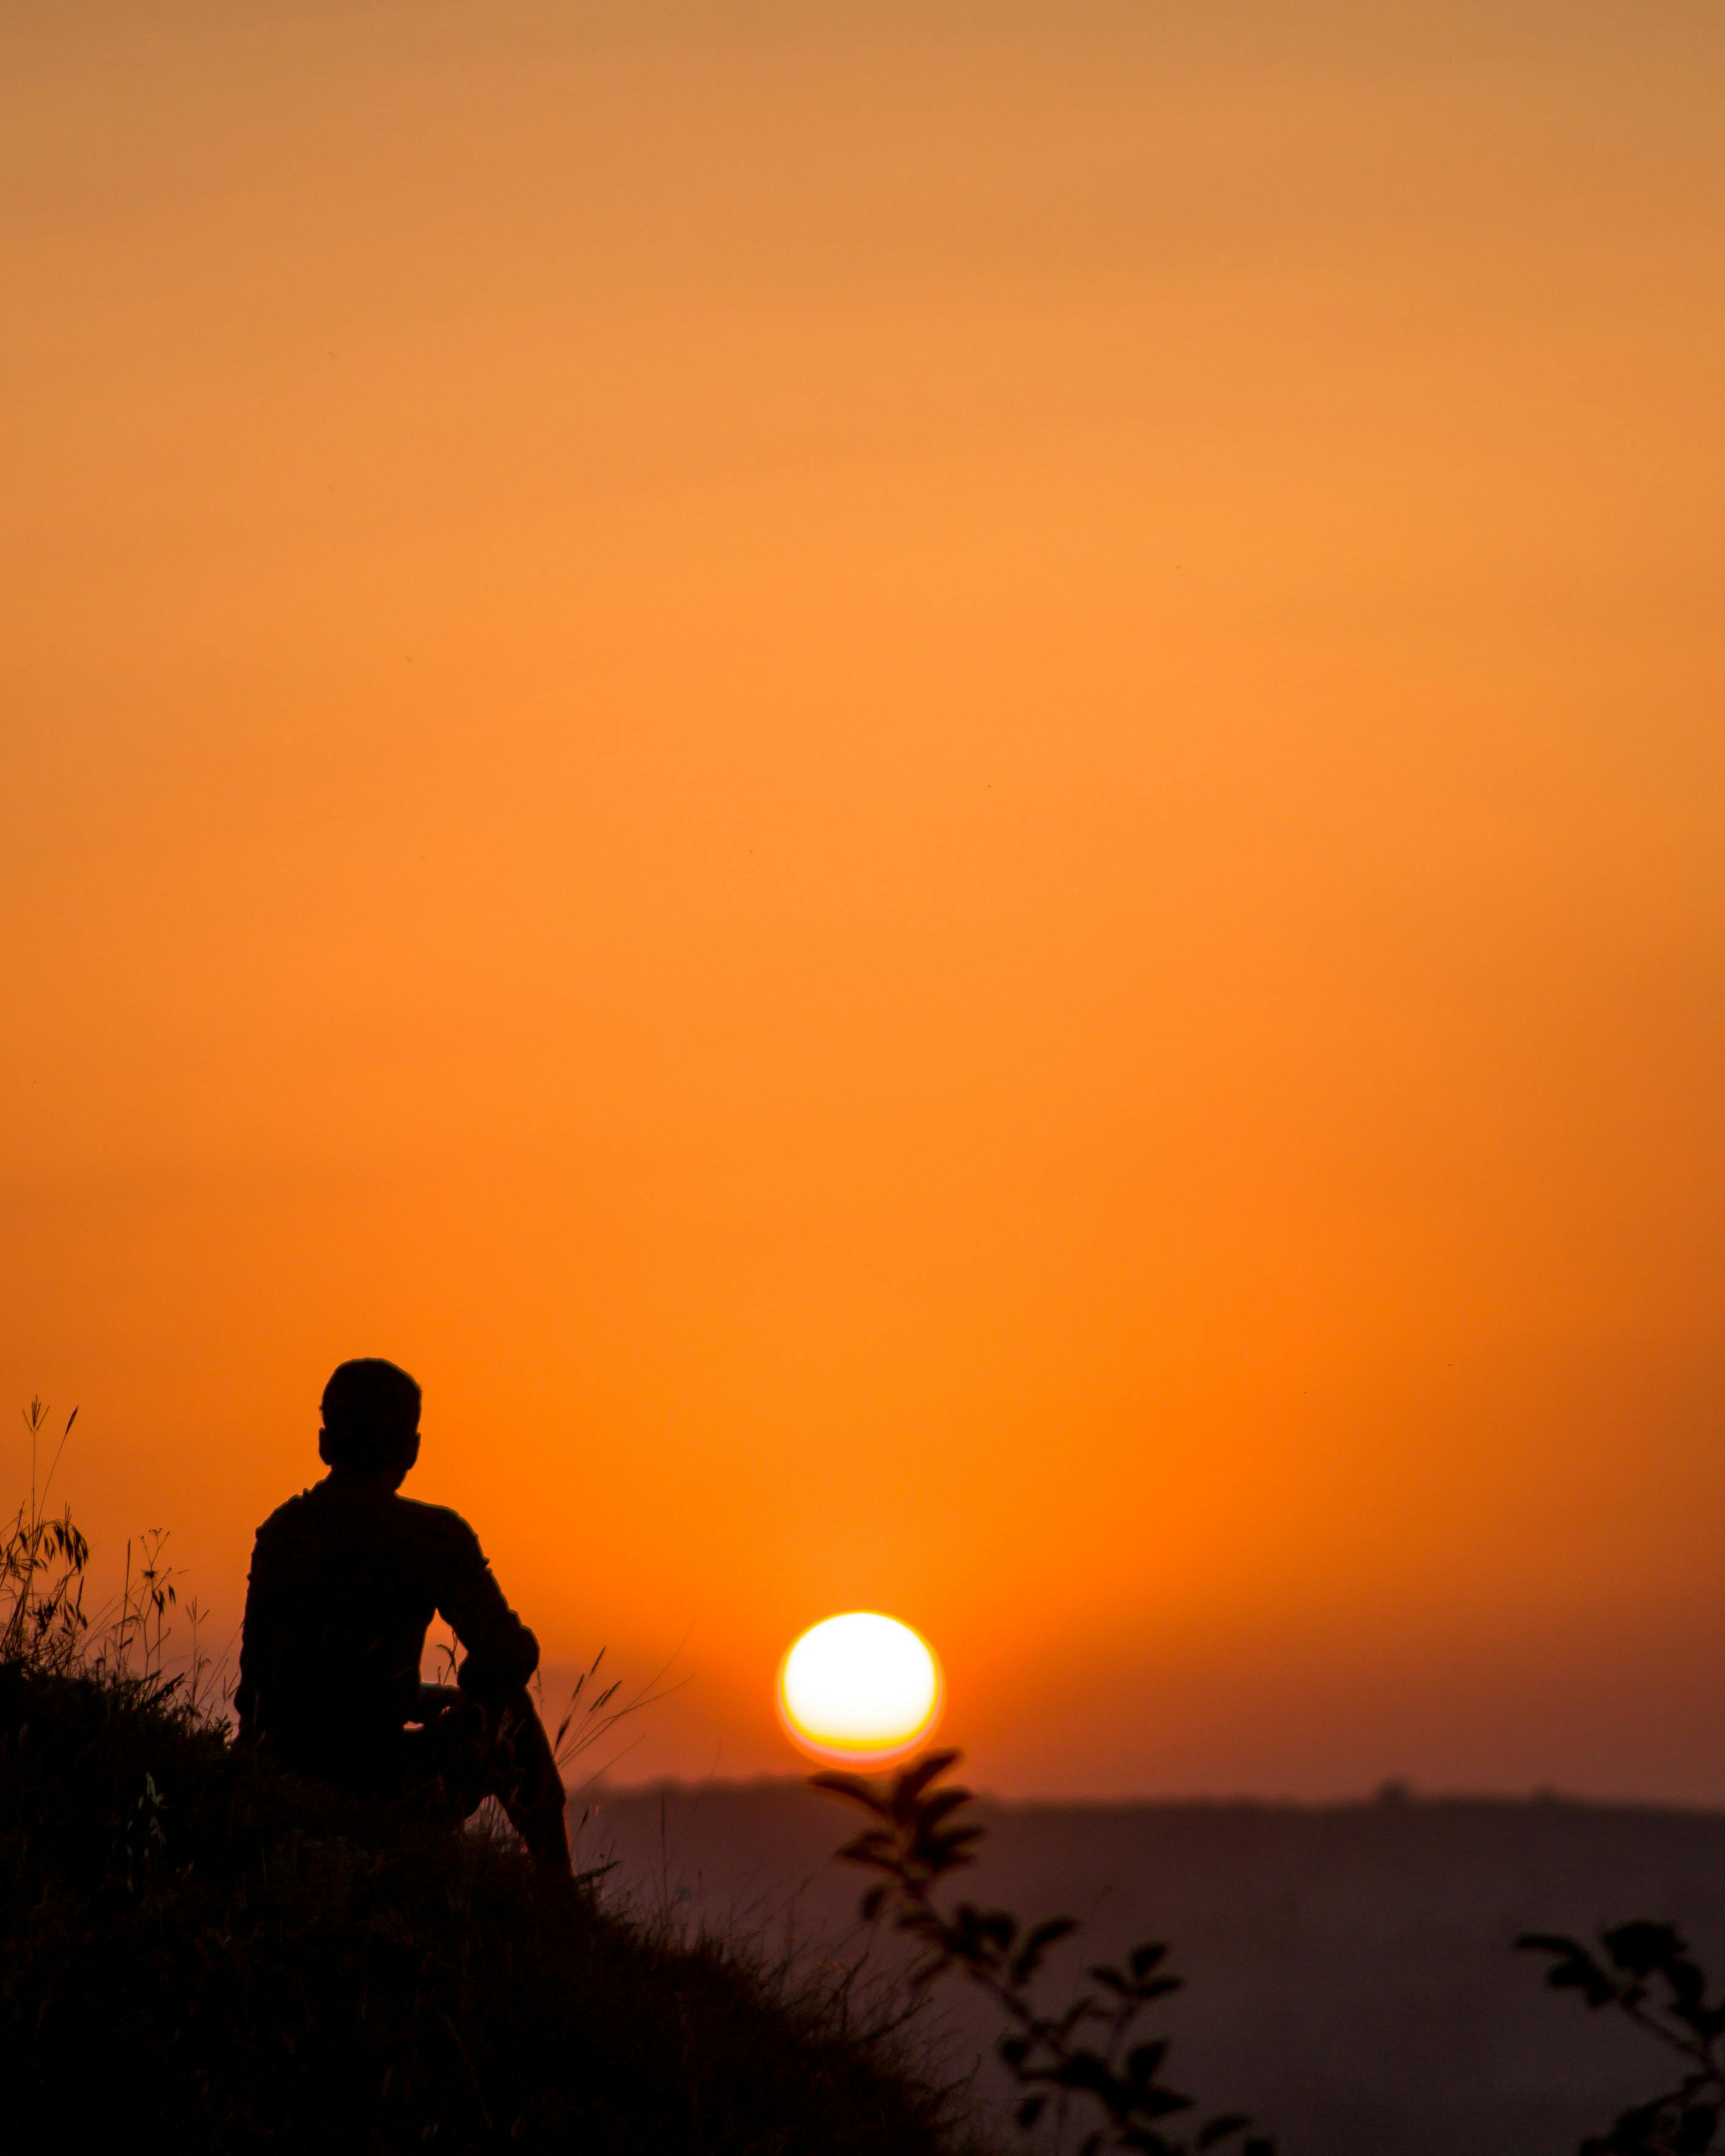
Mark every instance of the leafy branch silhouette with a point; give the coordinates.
(1646, 1971)
(916, 1839)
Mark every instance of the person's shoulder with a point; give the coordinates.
(285, 1516)
(440, 1526)
(281, 1544)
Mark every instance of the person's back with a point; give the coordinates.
(345, 1581)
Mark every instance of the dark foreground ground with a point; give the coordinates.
(1351, 1977)
(200, 1955)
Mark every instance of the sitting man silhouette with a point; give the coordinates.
(345, 1579)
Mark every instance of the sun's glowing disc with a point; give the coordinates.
(861, 1690)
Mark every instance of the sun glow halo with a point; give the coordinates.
(860, 1689)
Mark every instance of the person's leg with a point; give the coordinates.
(521, 1773)
(466, 1750)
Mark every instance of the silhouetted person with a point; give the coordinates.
(345, 1580)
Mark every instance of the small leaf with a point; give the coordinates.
(1144, 2061)
(935, 1807)
(1642, 1948)
(1037, 1943)
(852, 1786)
(1085, 2070)
(916, 1780)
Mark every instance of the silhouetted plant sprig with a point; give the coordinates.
(42, 1557)
(44, 1626)
(137, 1633)
(1646, 1971)
(916, 1840)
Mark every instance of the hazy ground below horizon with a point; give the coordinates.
(1352, 1977)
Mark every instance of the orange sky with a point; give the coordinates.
(941, 790)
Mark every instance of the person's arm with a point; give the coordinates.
(500, 1653)
(256, 1644)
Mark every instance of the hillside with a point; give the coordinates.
(1351, 1977)
(197, 1953)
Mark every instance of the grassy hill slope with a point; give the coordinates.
(197, 1951)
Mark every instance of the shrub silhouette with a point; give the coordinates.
(918, 1838)
(1646, 1972)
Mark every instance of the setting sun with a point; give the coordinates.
(860, 1688)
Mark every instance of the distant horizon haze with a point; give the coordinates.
(941, 791)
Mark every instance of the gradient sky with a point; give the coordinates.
(940, 789)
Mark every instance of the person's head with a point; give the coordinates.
(371, 1419)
